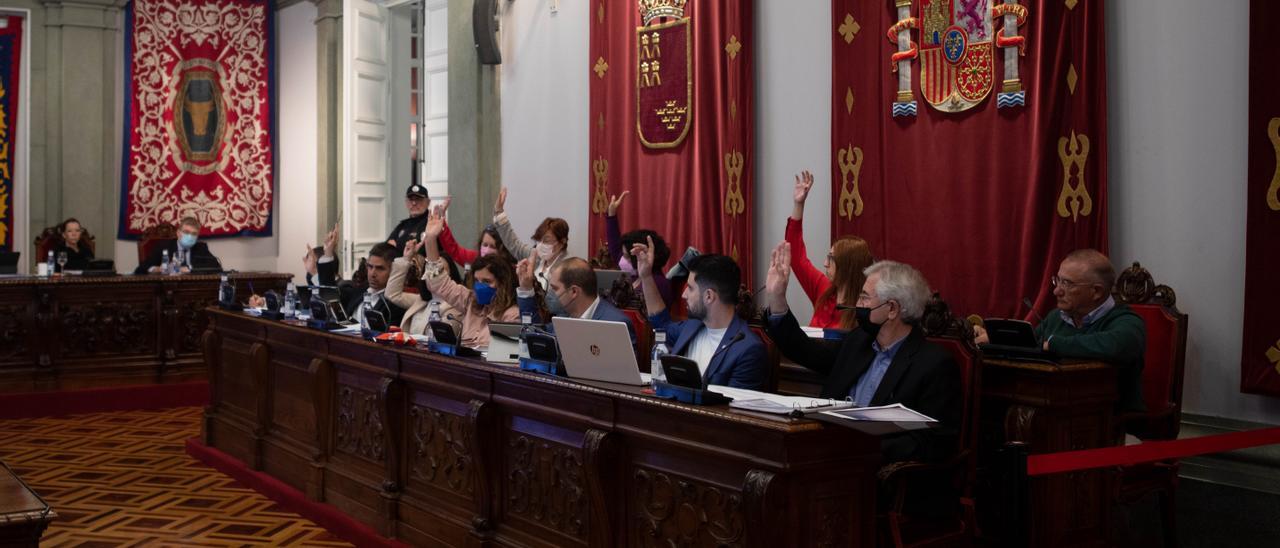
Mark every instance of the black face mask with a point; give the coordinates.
(863, 314)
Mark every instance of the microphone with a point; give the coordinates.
(1032, 308)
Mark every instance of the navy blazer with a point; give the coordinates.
(739, 362)
(922, 376)
(604, 311)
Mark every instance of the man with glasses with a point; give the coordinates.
(1090, 324)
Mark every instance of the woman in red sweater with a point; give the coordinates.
(841, 277)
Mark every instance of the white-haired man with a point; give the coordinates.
(885, 360)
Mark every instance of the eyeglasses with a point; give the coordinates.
(1068, 285)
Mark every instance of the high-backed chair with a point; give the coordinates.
(629, 301)
(51, 237)
(900, 527)
(154, 236)
(1164, 362)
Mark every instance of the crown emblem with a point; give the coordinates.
(653, 9)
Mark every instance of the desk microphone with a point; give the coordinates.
(1032, 308)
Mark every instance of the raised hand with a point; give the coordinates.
(411, 248)
(331, 241)
(804, 183)
(524, 274)
(443, 206)
(500, 203)
(435, 225)
(776, 280)
(644, 259)
(614, 202)
(309, 260)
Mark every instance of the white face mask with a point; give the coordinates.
(546, 250)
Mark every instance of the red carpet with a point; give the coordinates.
(100, 400)
(291, 499)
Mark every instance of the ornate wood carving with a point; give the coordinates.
(831, 524)
(260, 362)
(1135, 285)
(1018, 423)
(322, 379)
(677, 511)
(105, 328)
(938, 321)
(359, 429)
(480, 427)
(438, 450)
(391, 409)
(212, 343)
(45, 324)
(599, 455)
(545, 484)
(13, 331)
(760, 502)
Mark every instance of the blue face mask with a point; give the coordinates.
(187, 241)
(484, 293)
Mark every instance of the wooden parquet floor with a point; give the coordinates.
(123, 479)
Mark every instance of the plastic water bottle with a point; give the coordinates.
(433, 315)
(51, 266)
(526, 326)
(165, 266)
(290, 301)
(226, 291)
(655, 358)
(369, 302)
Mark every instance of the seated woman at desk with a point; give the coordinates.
(77, 251)
(492, 296)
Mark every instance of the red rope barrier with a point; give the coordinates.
(1150, 451)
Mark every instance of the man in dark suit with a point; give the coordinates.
(187, 247)
(886, 360)
(722, 344)
(351, 295)
(574, 283)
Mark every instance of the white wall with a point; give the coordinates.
(1177, 137)
(1178, 174)
(294, 223)
(543, 85)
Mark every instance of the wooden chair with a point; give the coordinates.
(154, 236)
(631, 303)
(51, 237)
(900, 527)
(1164, 362)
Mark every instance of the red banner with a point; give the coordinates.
(199, 128)
(969, 139)
(672, 120)
(1260, 357)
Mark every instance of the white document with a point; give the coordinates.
(885, 413)
(813, 332)
(763, 402)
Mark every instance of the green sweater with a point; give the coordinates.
(1118, 338)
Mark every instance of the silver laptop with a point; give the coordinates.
(504, 343)
(606, 278)
(597, 350)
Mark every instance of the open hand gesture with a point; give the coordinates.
(776, 280)
(644, 259)
(411, 248)
(309, 260)
(435, 226)
(443, 206)
(804, 182)
(500, 203)
(614, 202)
(524, 273)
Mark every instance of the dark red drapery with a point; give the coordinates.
(1260, 356)
(696, 190)
(986, 201)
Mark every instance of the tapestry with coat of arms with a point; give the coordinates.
(969, 139)
(11, 29)
(199, 116)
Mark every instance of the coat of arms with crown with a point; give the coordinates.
(664, 74)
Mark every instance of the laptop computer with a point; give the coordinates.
(1014, 340)
(9, 262)
(504, 343)
(597, 350)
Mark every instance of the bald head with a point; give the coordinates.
(1097, 266)
(575, 271)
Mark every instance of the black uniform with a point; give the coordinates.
(408, 229)
(76, 260)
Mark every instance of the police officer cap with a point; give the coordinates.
(416, 190)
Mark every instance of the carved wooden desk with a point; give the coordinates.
(445, 451)
(23, 514)
(1052, 408)
(76, 332)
